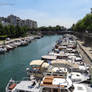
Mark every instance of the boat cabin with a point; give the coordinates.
(56, 84)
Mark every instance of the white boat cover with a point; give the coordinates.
(36, 62)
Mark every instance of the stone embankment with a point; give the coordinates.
(86, 52)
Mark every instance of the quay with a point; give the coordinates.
(87, 51)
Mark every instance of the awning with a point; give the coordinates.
(36, 62)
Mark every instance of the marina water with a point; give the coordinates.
(14, 63)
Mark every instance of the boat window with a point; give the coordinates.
(48, 74)
(77, 75)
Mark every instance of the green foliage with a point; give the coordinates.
(17, 31)
(13, 31)
(84, 24)
(50, 28)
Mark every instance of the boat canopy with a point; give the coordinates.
(63, 61)
(36, 62)
(49, 57)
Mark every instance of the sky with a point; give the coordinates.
(47, 12)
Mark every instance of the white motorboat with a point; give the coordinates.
(8, 47)
(77, 77)
(17, 42)
(24, 42)
(23, 86)
(12, 45)
(3, 49)
(55, 83)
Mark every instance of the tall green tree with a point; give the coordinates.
(83, 24)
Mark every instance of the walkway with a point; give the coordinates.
(86, 52)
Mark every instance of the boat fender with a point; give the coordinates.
(12, 86)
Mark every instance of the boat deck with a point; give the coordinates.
(28, 86)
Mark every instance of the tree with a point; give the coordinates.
(1, 29)
(83, 24)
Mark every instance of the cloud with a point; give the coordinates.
(66, 13)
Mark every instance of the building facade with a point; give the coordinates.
(14, 20)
